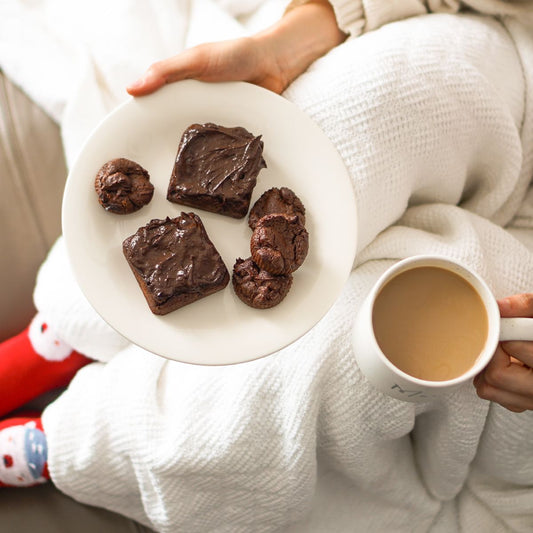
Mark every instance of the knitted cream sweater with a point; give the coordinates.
(355, 17)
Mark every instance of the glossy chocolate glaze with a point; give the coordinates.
(175, 256)
(216, 169)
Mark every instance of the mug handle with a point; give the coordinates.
(516, 329)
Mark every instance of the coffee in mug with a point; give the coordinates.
(430, 322)
(428, 325)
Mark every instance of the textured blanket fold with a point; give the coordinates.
(433, 117)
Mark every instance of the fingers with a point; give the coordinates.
(518, 305)
(521, 350)
(510, 400)
(157, 75)
(186, 65)
(243, 59)
(503, 374)
(145, 85)
(514, 402)
(505, 382)
(508, 378)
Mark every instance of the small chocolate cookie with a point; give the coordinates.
(276, 200)
(279, 243)
(123, 186)
(258, 288)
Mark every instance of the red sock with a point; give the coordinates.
(23, 452)
(34, 362)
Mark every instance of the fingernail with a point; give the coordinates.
(135, 85)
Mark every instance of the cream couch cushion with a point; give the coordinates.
(33, 174)
(32, 177)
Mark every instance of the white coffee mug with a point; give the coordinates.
(389, 379)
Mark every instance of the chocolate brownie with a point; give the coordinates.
(216, 169)
(258, 288)
(279, 243)
(123, 186)
(175, 262)
(276, 200)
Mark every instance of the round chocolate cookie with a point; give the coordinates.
(258, 288)
(279, 243)
(123, 186)
(282, 200)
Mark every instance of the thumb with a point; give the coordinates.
(182, 66)
(147, 84)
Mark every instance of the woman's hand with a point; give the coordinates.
(508, 378)
(272, 58)
(244, 59)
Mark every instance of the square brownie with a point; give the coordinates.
(175, 262)
(216, 169)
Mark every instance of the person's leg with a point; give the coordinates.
(425, 114)
(34, 362)
(420, 115)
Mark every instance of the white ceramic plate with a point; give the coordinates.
(218, 329)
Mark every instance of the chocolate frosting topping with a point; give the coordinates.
(216, 168)
(175, 256)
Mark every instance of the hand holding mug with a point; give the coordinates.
(508, 378)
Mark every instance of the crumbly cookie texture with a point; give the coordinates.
(123, 186)
(277, 200)
(279, 243)
(258, 288)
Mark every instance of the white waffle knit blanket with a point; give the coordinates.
(434, 119)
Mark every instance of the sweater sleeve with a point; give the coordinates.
(355, 17)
